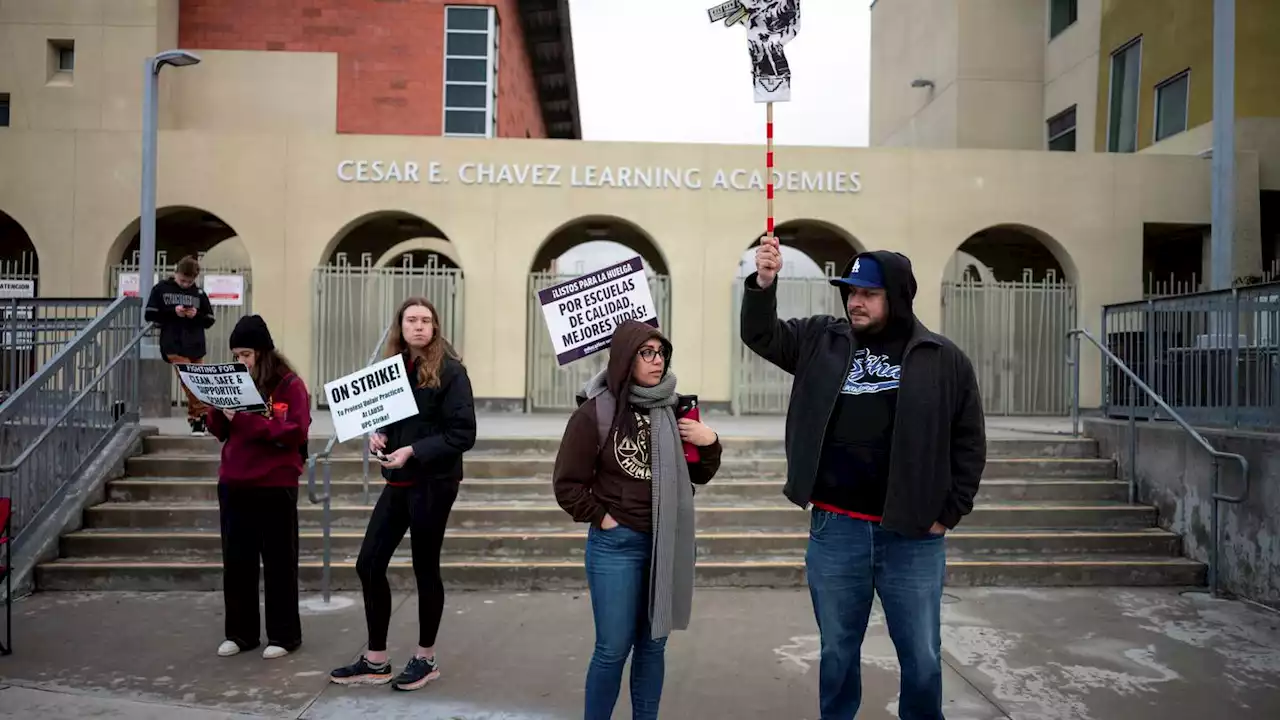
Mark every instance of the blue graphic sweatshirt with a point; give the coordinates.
(853, 472)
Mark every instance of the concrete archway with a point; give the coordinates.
(370, 238)
(370, 265)
(577, 247)
(1014, 251)
(810, 248)
(19, 258)
(1008, 300)
(180, 230)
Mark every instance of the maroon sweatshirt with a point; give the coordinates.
(265, 451)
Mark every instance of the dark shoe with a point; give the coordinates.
(417, 673)
(198, 428)
(361, 672)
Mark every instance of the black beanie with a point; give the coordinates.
(251, 332)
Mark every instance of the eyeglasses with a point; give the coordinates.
(650, 355)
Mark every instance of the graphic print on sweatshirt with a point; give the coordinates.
(632, 453)
(176, 299)
(871, 374)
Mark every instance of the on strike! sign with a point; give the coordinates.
(582, 313)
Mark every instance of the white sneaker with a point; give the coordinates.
(228, 648)
(273, 651)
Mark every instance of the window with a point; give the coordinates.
(471, 71)
(1171, 105)
(1062, 130)
(1122, 113)
(1062, 15)
(4, 109)
(62, 61)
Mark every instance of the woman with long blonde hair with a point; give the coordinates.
(421, 458)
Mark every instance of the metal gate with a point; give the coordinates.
(759, 386)
(354, 304)
(1015, 335)
(551, 387)
(225, 316)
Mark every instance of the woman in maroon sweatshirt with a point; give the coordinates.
(262, 459)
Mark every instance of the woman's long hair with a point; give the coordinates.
(436, 350)
(269, 369)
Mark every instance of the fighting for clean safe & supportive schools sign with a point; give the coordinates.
(226, 387)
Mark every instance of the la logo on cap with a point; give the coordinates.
(856, 264)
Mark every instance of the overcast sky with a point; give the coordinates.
(659, 71)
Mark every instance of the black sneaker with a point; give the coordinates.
(362, 672)
(198, 428)
(417, 673)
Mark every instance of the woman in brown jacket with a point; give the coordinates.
(622, 468)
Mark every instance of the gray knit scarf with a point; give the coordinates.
(671, 569)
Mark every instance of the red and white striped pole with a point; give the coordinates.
(769, 168)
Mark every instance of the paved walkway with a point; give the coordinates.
(504, 425)
(1069, 654)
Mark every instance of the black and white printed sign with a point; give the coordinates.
(583, 313)
(370, 398)
(770, 25)
(16, 314)
(226, 387)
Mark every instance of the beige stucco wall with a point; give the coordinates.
(1071, 73)
(913, 39)
(269, 169)
(75, 192)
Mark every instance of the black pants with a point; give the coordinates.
(423, 509)
(260, 522)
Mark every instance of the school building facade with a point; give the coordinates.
(335, 158)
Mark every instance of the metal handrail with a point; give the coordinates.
(326, 455)
(75, 402)
(1073, 359)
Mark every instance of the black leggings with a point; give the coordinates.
(422, 509)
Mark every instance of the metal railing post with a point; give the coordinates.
(1073, 350)
(1235, 357)
(1217, 455)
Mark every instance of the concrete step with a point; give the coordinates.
(524, 517)
(478, 466)
(1023, 570)
(345, 543)
(1048, 447)
(179, 490)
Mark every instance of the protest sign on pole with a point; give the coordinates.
(582, 313)
(770, 25)
(226, 387)
(16, 313)
(371, 398)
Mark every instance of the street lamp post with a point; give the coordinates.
(1223, 206)
(150, 114)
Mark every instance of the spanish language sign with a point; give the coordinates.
(17, 314)
(583, 313)
(226, 387)
(370, 398)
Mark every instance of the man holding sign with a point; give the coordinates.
(886, 443)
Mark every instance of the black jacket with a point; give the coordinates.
(180, 335)
(443, 429)
(939, 439)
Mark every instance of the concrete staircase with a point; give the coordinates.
(1049, 512)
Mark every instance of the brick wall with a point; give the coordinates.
(390, 56)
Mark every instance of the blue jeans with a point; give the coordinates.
(846, 561)
(618, 578)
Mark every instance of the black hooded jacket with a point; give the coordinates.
(936, 429)
(181, 336)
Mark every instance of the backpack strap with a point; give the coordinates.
(606, 408)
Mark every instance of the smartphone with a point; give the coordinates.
(381, 455)
(687, 407)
